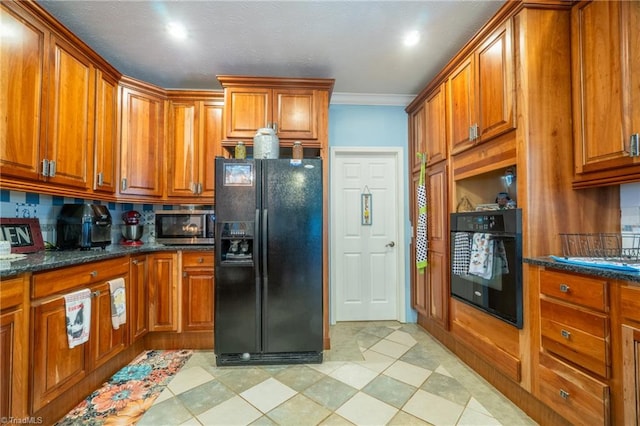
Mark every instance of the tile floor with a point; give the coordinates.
(377, 373)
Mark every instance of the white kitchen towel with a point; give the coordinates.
(482, 252)
(118, 303)
(78, 311)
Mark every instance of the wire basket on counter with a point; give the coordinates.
(608, 246)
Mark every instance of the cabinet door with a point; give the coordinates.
(22, 84)
(294, 113)
(631, 380)
(461, 106)
(437, 256)
(163, 292)
(495, 89)
(56, 367)
(606, 86)
(105, 341)
(138, 299)
(197, 291)
(141, 160)
(106, 134)
(420, 295)
(435, 125)
(70, 116)
(417, 136)
(211, 148)
(183, 150)
(246, 110)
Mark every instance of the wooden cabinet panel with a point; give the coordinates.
(141, 160)
(631, 377)
(578, 289)
(247, 109)
(437, 232)
(14, 341)
(194, 142)
(106, 134)
(105, 341)
(163, 292)
(417, 137)
(294, 113)
(138, 298)
(630, 302)
(23, 61)
(435, 125)
(574, 395)
(197, 291)
(606, 83)
(56, 367)
(70, 116)
(482, 92)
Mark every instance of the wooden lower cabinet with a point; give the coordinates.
(197, 291)
(56, 367)
(163, 291)
(138, 298)
(15, 346)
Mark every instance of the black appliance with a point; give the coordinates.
(83, 226)
(486, 262)
(268, 281)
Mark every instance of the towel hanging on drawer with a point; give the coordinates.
(118, 303)
(78, 312)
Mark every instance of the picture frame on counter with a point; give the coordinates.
(23, 234)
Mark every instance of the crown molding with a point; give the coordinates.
(344, 98)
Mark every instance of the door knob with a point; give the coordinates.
(391, 244)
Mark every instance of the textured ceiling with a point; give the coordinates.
(359, 43)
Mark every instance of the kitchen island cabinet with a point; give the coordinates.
(606, 83)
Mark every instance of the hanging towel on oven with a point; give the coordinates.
(118, 303)
(482, 252)
(78, 312)
(461, 253)
(421, 230)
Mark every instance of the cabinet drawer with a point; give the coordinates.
(578, 289)
(65, 279)
(197, 259)
(577, 335)
(574, 395)
(11, 292)
(630, 302)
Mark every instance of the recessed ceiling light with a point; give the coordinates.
(411, 38)
(177, 30)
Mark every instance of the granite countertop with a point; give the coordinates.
(44, 260)
(599, 272)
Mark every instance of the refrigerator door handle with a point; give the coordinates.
(265, 282)
(256, 233)
(265, 233)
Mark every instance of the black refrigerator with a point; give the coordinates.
(268, 276)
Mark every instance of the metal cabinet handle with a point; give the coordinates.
(564, 394)
(134, 261)
(564, 288)
(634, 145)
(93, 273)
(200, 260)
(100, 179)
(95, 293)
(566, 334)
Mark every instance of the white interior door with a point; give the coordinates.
(367, 252)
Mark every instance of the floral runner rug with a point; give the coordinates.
(130, 392)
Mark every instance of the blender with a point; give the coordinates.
(132, 229)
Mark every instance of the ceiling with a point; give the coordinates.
(358, 43)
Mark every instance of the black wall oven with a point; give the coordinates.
(486, 262)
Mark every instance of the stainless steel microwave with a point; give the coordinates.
(185, 227)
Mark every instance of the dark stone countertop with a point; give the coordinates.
(599, 272)
(44, 260)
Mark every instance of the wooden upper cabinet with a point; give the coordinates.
(195, 132)
(69, 148)
(606, 91)
(142, 143)
(106, 134)
(481, 92)
(294, 107)
(435, 125)
(23, 43)
(417, 135)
